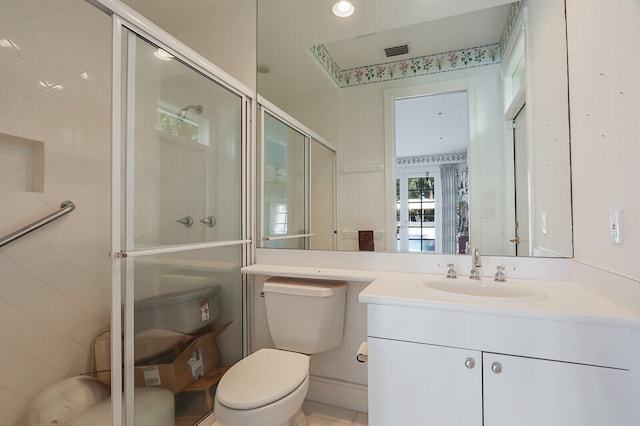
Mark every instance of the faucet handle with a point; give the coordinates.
(451, 272)
(500, 274)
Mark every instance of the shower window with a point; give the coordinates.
(170, 124)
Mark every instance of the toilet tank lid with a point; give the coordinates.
(263, 377)
(300, 287)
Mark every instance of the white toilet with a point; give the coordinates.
(269, 386)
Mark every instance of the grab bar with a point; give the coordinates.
(66, 207)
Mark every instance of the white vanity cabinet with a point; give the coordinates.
(524, 391)
(417, 384)
(517, 371)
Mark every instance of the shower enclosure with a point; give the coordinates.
(159, 224)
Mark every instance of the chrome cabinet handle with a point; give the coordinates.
(470, 363)
(496, 367)
(187, 221)
(210, 221)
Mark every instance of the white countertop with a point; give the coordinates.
(310, 272)
(559, 301)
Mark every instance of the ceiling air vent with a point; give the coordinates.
(397, 50)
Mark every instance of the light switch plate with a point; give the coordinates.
(615, 216)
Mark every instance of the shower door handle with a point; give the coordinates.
(187, 221)
(210, 221)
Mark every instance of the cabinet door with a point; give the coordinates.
(525, 391)
(412, 384)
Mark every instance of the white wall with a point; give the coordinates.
(55, 282)
(223, 31)
(605, 131)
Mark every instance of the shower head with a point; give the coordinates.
(183, 112)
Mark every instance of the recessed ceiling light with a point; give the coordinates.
(342, 9)
(163, 55)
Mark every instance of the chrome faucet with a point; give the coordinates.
(475, 264)
(451, 273)
(500, 274)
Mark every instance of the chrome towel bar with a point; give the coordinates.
(66, 207)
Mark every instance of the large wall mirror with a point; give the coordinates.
(450, 119)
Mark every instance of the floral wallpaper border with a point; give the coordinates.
(422, 65)
(406, 68)
(514, 10)
(431, 159)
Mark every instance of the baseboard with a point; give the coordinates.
(347, 395)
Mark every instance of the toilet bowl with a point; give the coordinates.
(265, 389)
(268, 387)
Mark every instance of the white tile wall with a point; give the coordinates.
(55, 282)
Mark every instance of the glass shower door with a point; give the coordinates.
(182, 236)
(284, 196)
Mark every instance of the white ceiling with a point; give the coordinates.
(472, 29)
(431, 125)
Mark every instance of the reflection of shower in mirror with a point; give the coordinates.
(183, 112)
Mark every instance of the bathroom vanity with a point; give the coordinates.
(544, 351)
(537, 353)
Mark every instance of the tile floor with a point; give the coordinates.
(326, 415)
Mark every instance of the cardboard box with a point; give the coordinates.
(168, 370)
(192, 363)
(197, 400)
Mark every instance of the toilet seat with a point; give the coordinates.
(262, 378)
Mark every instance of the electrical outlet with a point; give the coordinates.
(615, 216)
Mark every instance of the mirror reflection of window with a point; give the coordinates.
(416, 214)
(279, 219)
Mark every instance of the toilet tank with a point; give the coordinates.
(305, 316)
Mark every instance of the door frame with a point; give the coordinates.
(390, 96)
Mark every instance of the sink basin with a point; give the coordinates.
(466, 288)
